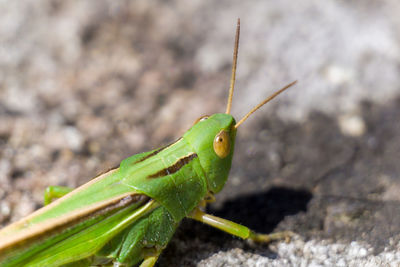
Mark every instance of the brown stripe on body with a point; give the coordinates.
(155, 152)
(57, 225)
(175, 167)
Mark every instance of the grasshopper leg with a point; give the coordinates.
(208, 199)
(53, 192)
(149, 261)
(237, 229)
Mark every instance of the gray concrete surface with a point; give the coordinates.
(85, 84)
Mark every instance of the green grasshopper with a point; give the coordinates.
(128, 215)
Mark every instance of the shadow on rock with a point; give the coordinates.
(263, 211)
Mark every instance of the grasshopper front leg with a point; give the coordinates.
(237, 229)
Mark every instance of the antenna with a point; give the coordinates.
(264, 102)
(233, 76)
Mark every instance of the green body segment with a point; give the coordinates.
(177, 181)
(201, 137)
(127, 213)
(150, 233)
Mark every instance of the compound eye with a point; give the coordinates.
(222, 144)
(202, 118)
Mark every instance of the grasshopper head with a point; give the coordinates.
(213, 140)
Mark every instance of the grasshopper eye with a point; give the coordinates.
(222, 144)
(202, 118)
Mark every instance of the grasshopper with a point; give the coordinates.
(128, 215)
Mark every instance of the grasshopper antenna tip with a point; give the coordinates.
(265, 101)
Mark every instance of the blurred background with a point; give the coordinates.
(85, 84)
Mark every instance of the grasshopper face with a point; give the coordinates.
(213, 139)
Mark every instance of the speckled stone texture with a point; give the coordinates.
(84, 84)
